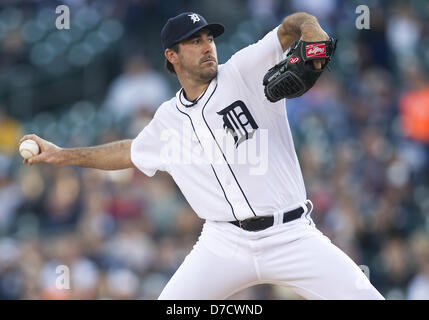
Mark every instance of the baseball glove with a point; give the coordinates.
(295, 75)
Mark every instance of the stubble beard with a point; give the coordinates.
(208, 75)
(200, 73)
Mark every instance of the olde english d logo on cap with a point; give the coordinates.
(194, 17)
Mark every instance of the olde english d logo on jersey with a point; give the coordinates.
(238, 121)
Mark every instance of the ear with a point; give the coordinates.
(171, 56)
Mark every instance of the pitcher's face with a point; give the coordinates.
(197, 57)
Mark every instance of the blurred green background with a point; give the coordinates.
(362, 137)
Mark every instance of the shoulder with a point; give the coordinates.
(165, 108)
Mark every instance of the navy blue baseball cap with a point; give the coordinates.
(185, 25)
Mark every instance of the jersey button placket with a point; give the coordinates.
(228, 181)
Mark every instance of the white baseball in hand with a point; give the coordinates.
(29, 148)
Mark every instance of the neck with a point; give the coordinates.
(194, 93)
(192, 88)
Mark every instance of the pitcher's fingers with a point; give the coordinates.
(27, 162)
(317, 64)
(39, 158)
(29, 136)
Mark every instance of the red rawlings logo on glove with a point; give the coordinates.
(294, 60)
(315, 50)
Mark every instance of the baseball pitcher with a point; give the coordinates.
(225, 140)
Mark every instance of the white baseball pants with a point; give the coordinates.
(227, 259)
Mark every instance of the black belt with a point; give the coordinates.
(261, 223)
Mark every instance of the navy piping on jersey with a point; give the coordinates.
(224, 194)
(193, 102)
(306, 216)
(230, 169)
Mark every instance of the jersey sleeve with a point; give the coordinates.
(253, 61)
(146, 149)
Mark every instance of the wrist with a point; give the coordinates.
(64, 156)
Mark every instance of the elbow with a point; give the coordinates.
(295, 20)
(305, 15)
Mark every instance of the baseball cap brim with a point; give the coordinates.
(216, 30)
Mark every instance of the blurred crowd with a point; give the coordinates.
(361, 134)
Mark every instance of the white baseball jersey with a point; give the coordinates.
(231, 153)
